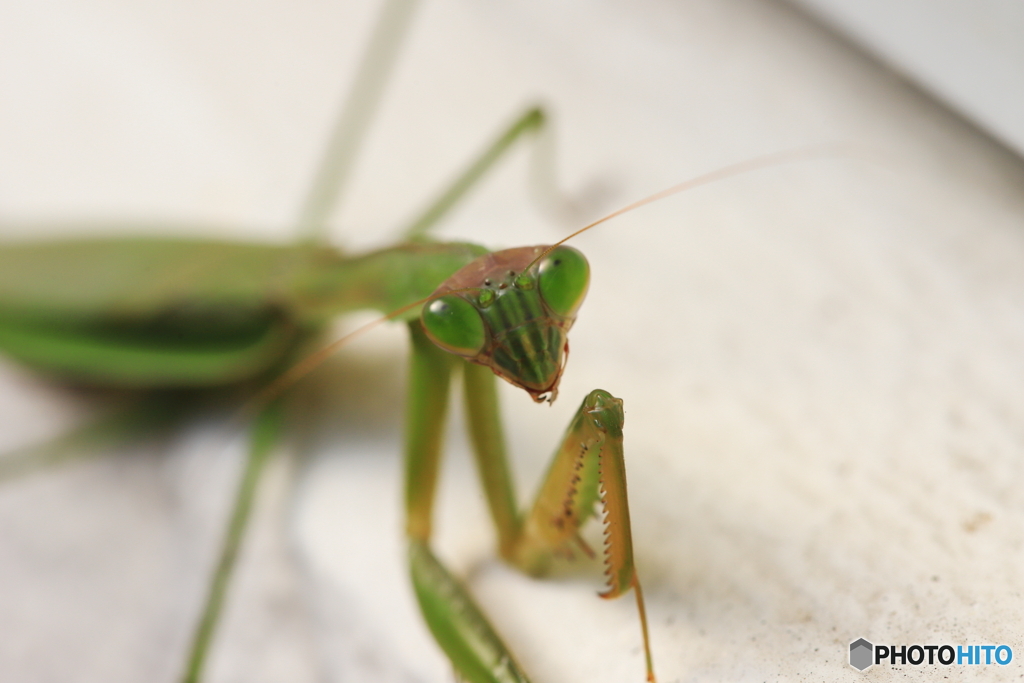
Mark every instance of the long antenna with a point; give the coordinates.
(317, 358)
(757, 163)
(311, 362)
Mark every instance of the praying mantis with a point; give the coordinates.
(577, 347)
(203, 326)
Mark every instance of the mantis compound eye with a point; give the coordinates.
(564, 278)
(455, 325)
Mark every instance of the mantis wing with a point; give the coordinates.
(144, 312)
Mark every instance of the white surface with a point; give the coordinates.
(970, 54)
(821, 362)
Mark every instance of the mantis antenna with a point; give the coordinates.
(757, 163)
(313, 361)
(317, 358)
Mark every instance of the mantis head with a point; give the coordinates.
(511, 311)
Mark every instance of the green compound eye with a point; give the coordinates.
(453, 324)
(564, 277)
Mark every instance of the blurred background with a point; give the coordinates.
(965, 54)
(820, 362)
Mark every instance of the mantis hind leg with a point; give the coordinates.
(354, 119)
(144, 418)
(266, 431)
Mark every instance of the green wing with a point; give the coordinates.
(163, 312)
(146, 312)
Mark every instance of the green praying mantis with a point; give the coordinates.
(274, 348)
(203, 325)
(157, 314)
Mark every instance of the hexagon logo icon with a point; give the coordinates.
(862, 654)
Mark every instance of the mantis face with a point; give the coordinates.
(512, 315)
